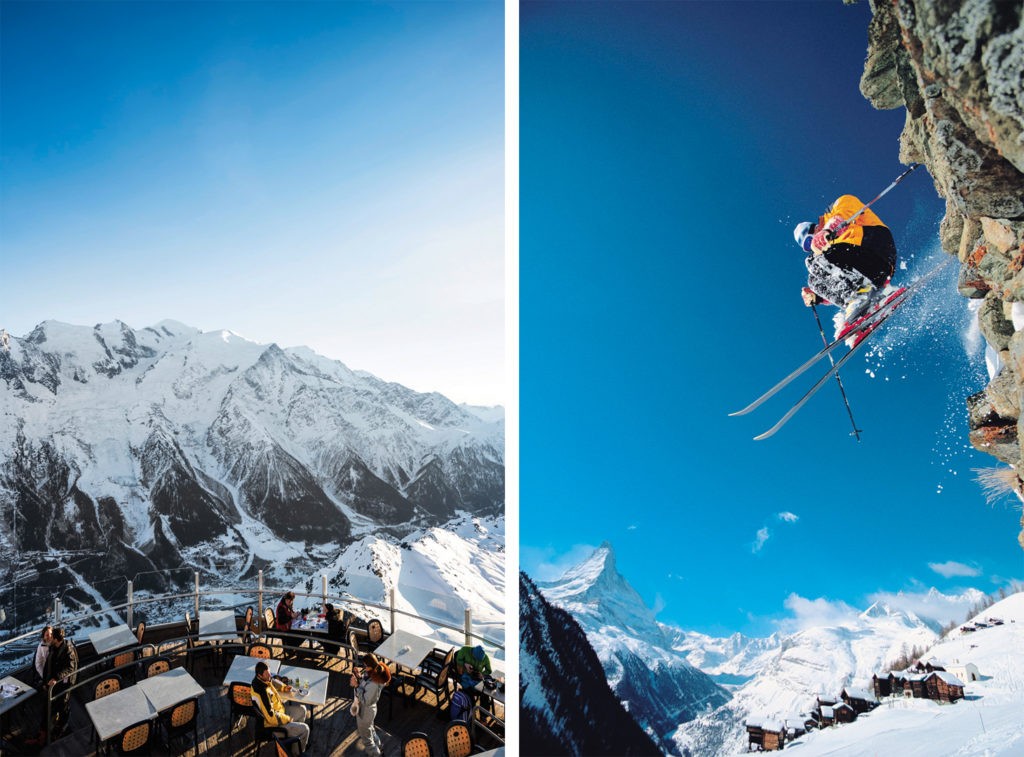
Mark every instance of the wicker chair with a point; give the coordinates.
(416, 744)
(240, 698)
(438, 684)
(123, 665)
(181, 721)
(108, 685)
(135, 739)
(262, 651)
(457, 741)
(140, 631)
(154, 666)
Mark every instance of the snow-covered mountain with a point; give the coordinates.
(167, 446)
(781, 675)
(660, 688)
(988, 721)
(566, 706)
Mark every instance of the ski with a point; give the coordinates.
(862, 333)
(865, 324)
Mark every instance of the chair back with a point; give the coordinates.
(247, 623)
(375, 631)
(183, 714)
(457, 742)
(261, 651)
(188, 622)
(135, 738)
(156, 666)
(124, 658)
(416, 744)
(140, 631)
(108, 685)
(269, 619)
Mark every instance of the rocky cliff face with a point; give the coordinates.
(957, 66)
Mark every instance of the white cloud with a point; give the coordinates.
(810, 613)
(788, 517)
(632, 527)
(950, 568)
(763, 534)
(546, 564)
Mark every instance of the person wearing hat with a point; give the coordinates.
(472, 664)
(275, 714)
(285, 612)
(849, 262)
(367, 685)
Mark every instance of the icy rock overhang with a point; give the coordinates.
(957, 67)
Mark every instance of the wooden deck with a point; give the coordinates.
(333, 730)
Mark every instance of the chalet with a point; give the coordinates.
(927, 666)
(843, 713)
(943, 687)
(968, 628)
(795, 727)
(966, 671)
(914, 686)
(995, 621)
(884, 686)
(826, 716)
(860, 700)
(766, 734)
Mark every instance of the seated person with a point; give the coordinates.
(285, 612)
(291, 717)
(471, 665)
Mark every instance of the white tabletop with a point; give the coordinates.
(317, 692)
(310, 625)
(495, 693)
(168, 689)
(217, 625)
(243, 669)
(115, 712)
(406, 649)
(499, 752)
(9, 698)
(110, 639)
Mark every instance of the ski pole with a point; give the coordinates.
(842, 389)
(881, 194)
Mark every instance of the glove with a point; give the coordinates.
(809, 297)
(824, 237)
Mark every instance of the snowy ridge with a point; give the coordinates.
(659, 687)
(167, 445)
(987, 722)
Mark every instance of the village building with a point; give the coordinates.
(943, 687)
(965, 671)
(859, 699)
(843, 713)
(765, 734)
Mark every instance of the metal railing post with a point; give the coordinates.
(130, 600)
(469, 626)
(197, 595)
(56, 611)
(391, 601)
(259, 593)
(323, 591)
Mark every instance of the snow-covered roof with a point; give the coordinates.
(860, 694)
(949, 678)
(765, 724)
(826, 712)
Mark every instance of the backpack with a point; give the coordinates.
(461, 705)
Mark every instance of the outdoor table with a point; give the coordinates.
(13, 692)
(495, 693)
(316, 694)
(168, 689)
(115, 712)
(316, 624)
(406, 649)
(109, 639)
(217, 625)
(243, 669)
(499, 752)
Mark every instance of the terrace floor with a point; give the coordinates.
(333, 729)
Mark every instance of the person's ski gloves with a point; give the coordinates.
(822, 239)
(810, 298)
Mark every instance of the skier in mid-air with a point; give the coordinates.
(851, 256)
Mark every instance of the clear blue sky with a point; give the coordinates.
(319, 173)
(667, 150)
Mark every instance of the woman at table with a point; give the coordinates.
(286, 612)
(368, 685)
(275, 714)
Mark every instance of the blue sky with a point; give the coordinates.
(320, 173)
(667, 150)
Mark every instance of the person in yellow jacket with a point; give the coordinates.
(849, 262)
(275, 714)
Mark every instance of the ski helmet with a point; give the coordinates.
(802, 234)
